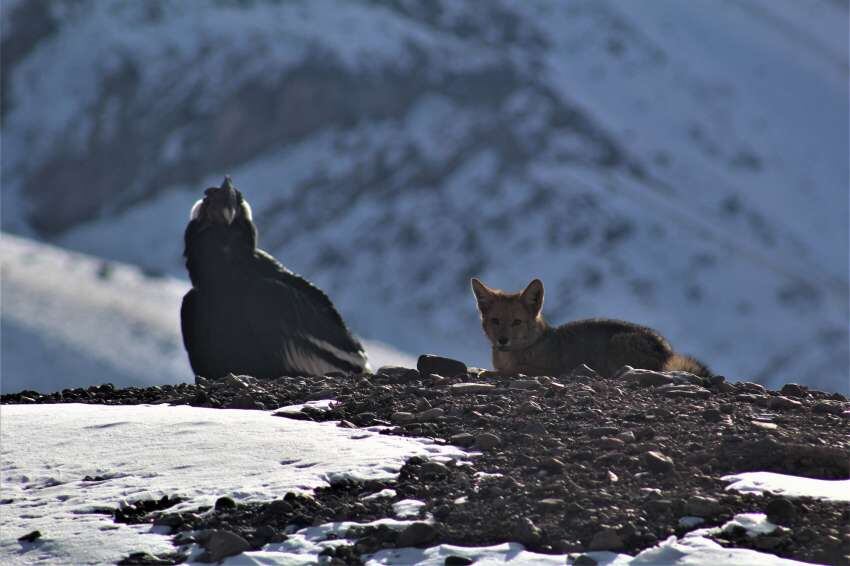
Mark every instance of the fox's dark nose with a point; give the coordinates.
(503, 341)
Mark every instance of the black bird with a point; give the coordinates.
(246, 313)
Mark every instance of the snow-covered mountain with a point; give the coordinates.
(679, 164)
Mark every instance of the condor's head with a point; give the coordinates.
(220, 234)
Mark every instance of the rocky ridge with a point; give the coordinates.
(566, 464)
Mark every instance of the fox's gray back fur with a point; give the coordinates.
(524, 343)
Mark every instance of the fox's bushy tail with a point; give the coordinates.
(678, 362)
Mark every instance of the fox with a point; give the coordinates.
(524, 343)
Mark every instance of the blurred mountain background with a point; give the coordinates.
(679, 164)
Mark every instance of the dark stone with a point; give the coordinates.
(781, 511)
(223, 503)
(439, 365)
(30, 537)
(220, 544)
(457, 561)
(658, 463)
(415, 534)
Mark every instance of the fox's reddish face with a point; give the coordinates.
(511, 321)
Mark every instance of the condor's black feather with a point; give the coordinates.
(246, 313)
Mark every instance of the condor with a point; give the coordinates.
(246, 313)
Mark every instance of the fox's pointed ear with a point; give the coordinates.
(532, 296)
(484, 295)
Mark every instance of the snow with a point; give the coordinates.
(789, 486)
(72, 320)
(151, 451)
(201, 454)
(407, 508)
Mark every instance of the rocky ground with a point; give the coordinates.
(567, 464)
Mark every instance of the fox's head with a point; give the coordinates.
(511, 321)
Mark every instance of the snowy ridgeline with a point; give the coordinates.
(70, 320)
(679, 164)
(143, 452)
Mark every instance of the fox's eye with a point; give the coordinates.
(517, 322)
(495, 321)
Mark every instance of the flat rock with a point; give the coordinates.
(219, 544)
(416, 534)
(429, 363)
(471, 387)
(658, 463)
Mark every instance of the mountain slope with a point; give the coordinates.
(683, 166)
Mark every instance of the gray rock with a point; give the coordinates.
(219, 544)
(712, 415)
(398, 374)
(321, 394)
(781, 511)
(647, 378)
(400, 417)
(794, 390)
(525, 531)
(584, 559)
(606, 539)
(462, 439)
(658, 463)
(827, 408)
(584, 371)
(430, 414)
(31, 536)
(706, 507)
(471, 387)
(529, 408)
(416, 534)
(607, 443)
(447, 367)
(487, 441)
(603, 431)
(550, 504)
(783, 403)
(750, 387)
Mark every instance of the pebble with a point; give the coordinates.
(455, 560)
(584, 559)
(471, 387)
(439, 365)
(487, 440)
(658, 463)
